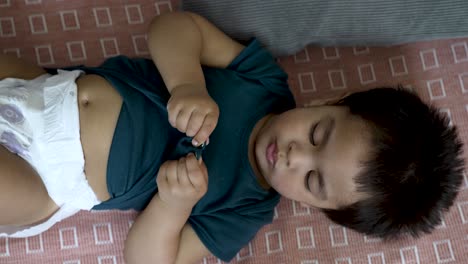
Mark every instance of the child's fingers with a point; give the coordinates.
(196, 174)
(182, 119)
(182, 174)
(209, 124)
(171, 173)
(161, 179)
(195, 122)
(204, 169)
(172, 112)
(178, 114)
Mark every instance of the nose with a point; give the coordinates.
(298, 154)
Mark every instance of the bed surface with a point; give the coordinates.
(60, 33)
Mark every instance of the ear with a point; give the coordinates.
(328, 101)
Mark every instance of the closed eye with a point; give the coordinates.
(320, 132)
(320, 190)
(307, 180)
(312, 134)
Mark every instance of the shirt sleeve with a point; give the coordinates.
(256, 63)
(225, 232)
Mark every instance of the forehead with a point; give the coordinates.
(343, 158)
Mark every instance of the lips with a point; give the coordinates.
(270, 154)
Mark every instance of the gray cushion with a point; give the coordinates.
(286, 26)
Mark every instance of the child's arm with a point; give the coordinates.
(179, 44)
(160, 234)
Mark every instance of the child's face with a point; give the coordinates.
(311, 155)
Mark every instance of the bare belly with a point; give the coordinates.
(99, 107)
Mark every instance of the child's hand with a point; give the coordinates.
(192, 111)
(182, 183)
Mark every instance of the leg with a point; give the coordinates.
(23, 197)
(11, 66)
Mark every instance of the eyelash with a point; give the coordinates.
(311, 136)
(307, 179)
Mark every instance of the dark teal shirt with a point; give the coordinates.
(235, 206)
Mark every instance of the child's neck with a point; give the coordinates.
(252, 157)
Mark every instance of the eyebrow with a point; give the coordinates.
(322, 190)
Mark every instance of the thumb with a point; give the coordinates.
(203, 168)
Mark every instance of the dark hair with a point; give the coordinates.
(416, 167)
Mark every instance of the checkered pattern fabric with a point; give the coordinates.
(61, 32)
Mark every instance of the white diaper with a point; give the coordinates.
(39, 121)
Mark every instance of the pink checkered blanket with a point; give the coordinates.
(59, 33)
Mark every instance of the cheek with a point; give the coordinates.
(285, 184)
(279, 181)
